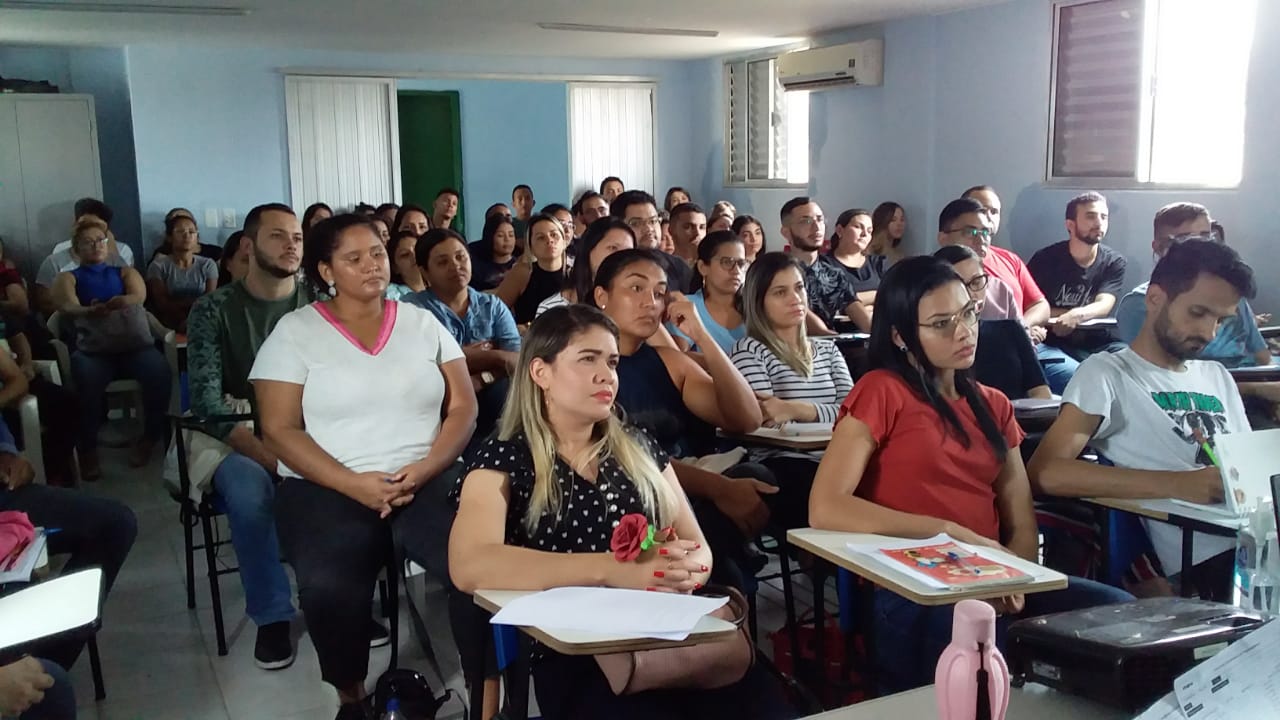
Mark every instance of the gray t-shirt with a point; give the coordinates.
(184, 282)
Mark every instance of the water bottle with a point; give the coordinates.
(1265, 595)
(1254, 578)
(393, 710)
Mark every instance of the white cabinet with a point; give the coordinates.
(48, 160)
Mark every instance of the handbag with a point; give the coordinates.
(705, 666)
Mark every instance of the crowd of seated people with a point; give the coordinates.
(620, 348)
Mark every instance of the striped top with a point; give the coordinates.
(826, 388)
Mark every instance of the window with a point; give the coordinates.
(767, 128)
(344, 144)
(610, 133)
(1150, 92)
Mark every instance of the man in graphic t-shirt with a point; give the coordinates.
(1081, 278)
(1151, 407)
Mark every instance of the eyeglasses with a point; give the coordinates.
(983, 233)
(977, 283)
(947, 326)
(93, 242)
(807, 220)
(1211, 236)
(636, 223)
(728, 263)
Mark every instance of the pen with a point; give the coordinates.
(1204, 445)
(962, 562)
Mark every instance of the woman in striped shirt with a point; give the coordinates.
(795, 378)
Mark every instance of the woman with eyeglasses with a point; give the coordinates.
(921, 448)
(1005, 359)
(717, 278)
(795, 378)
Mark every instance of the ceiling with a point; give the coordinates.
(471, 27)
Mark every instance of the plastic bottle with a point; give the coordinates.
(972, 679)
(1266, 595)
(393, 710)
(1254, 582)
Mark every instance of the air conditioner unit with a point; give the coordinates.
(859, 63)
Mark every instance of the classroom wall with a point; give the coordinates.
(965, 101)
(512, 132)
(210, 127)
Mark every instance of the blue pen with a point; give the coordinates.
(51, 531)
(962, 562)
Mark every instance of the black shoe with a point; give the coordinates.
(355, 711)
(378, 635)
(274, 648)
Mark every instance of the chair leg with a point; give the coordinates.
(184, 515)
(95, 666)
(211, 561)
(392, 610)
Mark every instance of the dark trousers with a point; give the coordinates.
(95, 532)
(60, 417)
(790, 506)
(569, 688)
(94, 371)
(337, 548)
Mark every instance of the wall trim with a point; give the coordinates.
(449, 75)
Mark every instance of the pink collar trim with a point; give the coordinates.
(384, 334)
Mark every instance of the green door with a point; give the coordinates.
(430, 148)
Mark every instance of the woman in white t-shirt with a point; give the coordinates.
(367, 403)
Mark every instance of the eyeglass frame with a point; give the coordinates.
(972, 232)
(985, 277)
(949, 325)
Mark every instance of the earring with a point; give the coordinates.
(333, 290)
(902, 348)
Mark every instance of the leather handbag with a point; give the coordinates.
(705, 666)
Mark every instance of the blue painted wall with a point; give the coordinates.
(513, 132)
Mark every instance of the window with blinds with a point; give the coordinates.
(610, 133)
(1149, 91)
(766, 129)
(344, 144)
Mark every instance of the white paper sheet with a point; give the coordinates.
(1037, 405)
(1241, 682)
(636, 613)
(1166, 708)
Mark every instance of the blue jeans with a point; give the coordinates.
(93, 372)
(59, 701)
(247, 495)
(910, 638)
(1057, 365)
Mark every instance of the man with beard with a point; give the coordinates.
(1080, 277)
(826, 282)
(225, 329)
(1133, 407)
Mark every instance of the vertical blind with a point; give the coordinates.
(757, 130)
(1097, 117)
(344, 145)
(610, 133)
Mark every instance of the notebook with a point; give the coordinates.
(1247, 461)
(943, 563)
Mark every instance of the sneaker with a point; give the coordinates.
(355, 711)
(274, 648)
(378, 635)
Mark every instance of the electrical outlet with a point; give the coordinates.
(229, 218)
(211, 219)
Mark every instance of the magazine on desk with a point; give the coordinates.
(1247, 461)
(942, 562)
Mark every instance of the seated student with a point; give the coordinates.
(680, 403)
(565, 217)
(495, 253)
(601, 239)
(888, 227)
(388, 212)
(1081, 278)
(367, 404)
(668, 244)
(828, 286)
(639, 211)
(874, 477)
(406, 278)
(513, 531)
(63, 257)
(610, 188)
(93, 531)
(445, 208)
(314, 213)
(675, 196)
(175, 281)
(410, 217)
(226, 329)
(497, 209)
(234, 264)
(795, 378)
(688, 227)
(113, 340)
(590, 207)
(1005, 359)
(1151, 407)
(34, 689)
(966, 221)
(479, 322)
(530, 282)
(59, 408)
(849, 248)
(717, 278)
(522, 202)
(15, 307)
(383, 228)
(752, 233)
(213, 252)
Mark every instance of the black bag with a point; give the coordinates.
(417, 700)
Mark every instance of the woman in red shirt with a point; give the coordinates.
(972, 485)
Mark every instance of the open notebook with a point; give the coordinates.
(1247, 461)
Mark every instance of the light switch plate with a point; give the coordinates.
(211, 219)
(229, 218)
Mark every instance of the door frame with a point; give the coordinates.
(455, 106)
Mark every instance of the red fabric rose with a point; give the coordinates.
(629, 537)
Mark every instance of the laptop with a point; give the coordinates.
(1247, 462)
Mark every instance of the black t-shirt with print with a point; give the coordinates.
(1067, 285)
(830, 288)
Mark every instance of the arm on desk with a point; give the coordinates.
(479, 557)
(833, 506)
(1056, 470)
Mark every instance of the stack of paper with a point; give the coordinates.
(876, 552)
(18, 568)
(1242, 681)
(610, 611)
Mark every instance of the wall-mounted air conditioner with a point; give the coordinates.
(859, 63)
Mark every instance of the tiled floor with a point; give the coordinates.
(160, 659)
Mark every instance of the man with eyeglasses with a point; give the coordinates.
(1081, 278)
(1238, 342)
(639, 211)
(826, 282)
